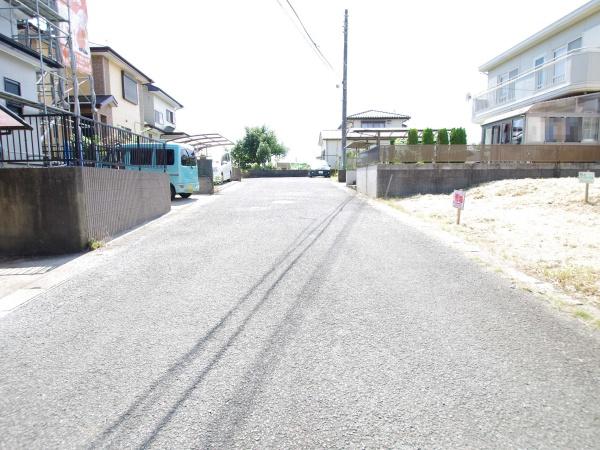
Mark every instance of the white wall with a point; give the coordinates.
(127, 114)
(162, 106)
(18, 70)
(588, 29)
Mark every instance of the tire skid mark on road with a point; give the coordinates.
(227, 420)
(147, 400)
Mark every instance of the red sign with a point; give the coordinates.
(458, 199)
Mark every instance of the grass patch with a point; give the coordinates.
(577, 278)
(581, 314)
(94, 244)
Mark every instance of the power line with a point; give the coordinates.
(307, 35)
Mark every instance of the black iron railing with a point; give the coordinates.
(66, 140)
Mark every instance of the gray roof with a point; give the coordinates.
(374, 114)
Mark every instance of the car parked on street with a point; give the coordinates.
(319, 168)
(222, 167)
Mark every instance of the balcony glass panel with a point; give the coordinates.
(568, 68)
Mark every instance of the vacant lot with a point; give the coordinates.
(543, 227)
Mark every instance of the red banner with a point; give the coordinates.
(81, 47)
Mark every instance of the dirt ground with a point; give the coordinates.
(541, 226)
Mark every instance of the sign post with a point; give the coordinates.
(458, 201)
(587, 178)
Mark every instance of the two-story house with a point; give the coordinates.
(545, 89)
(378, 127)
(159, 111)
(119, 89)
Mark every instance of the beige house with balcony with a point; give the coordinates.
(119, 89)
(545, 89)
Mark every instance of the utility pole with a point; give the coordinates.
(344, 94)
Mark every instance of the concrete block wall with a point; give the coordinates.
(49, 211)
(402, 180)
(118, 200)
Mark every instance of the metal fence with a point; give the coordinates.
(66, 140)
(410, 154)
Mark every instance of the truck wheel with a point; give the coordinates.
(173, 192)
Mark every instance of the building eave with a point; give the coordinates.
(158, 91)
(106, 50)
(29, 52)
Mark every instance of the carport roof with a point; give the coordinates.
(203, 141)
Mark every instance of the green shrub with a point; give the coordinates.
(442, 136)
(427, 138)
(413, 137)
(458, 136)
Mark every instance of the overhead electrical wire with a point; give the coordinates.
(306, 34)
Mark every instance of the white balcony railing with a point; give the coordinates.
(574, 72)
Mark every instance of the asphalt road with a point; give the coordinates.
(287, 313)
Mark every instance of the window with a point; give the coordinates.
(506, 133)
(496, 134)
(162, 160)
(158, 117)
(506, 91)
(130, 88)
(517, 130)
(539, 74)
(559, 66)
(140, 157)
(13, 87)
(555, 129)
(372, 124)
(590, 129)
(574, 45)
(573, 129)
(487, 136)
(512, 86)
(170, 116)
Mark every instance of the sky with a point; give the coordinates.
(238, 63)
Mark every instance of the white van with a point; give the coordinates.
(221, 163)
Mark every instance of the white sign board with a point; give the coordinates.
(458, 199)
(586, 177)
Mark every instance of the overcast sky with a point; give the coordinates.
(237, 63)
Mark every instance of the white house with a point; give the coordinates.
(368, 126)
(159, 111)
(525, 83)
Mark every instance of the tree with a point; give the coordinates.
(442, 136)
(427, 138)
(258, 146)
(413, 136)
(458, 136)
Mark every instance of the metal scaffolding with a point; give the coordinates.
(38, 28)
